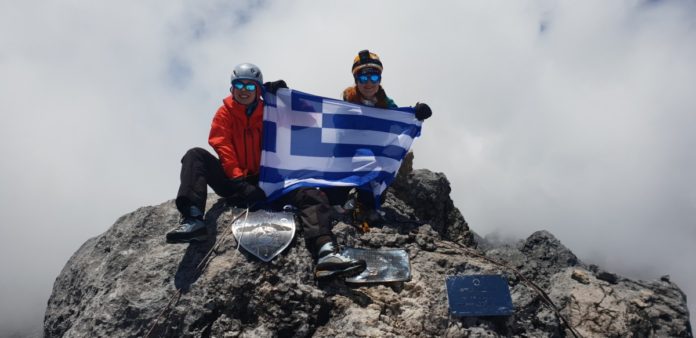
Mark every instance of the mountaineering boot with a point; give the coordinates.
(192, 228)
(333, 264)
(375, 217)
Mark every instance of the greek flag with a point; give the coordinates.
(313, 141)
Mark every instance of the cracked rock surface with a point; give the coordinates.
(118, 283)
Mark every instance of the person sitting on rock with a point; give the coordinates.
(235, 135)
(315, 204)
(368, 91)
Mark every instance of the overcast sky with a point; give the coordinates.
(574, 117)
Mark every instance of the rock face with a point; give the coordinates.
(118, 283)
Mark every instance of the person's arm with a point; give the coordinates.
(220, 139)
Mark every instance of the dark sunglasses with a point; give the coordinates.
(363, 78)
(250, 87)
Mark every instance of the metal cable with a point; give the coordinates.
(198, 270)
(544, 296)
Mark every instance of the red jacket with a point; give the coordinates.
(236, 138)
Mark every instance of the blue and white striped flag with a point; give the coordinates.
(313, 141)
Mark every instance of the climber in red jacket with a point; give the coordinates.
(235, 135)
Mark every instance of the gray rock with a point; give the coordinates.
(118, 283)
(580, 276)
(427, 193)
(612, 278)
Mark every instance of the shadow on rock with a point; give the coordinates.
(190, 267)
(337, 286)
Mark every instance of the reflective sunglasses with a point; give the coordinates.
(374, 78)
(250, 87)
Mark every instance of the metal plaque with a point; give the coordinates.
(383, 265)
(478, 295)
(264, 234)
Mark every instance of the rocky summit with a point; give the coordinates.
(125, 282)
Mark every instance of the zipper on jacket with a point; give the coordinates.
(246, 146)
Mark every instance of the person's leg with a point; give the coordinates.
(316, 214)
(367, 212)
(198, 169)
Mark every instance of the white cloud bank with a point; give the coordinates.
(576, 117)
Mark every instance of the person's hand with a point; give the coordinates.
(253, 194)
(422, 111)
(272, 87)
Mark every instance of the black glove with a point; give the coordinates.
(252, 194)
(272, 87)
(423, 111)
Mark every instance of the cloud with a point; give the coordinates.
(571, 117)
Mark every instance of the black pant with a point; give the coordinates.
(199, 168)
(317, 212)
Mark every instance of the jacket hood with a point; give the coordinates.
(351, 94)
(234, 106)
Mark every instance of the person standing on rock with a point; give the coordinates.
(368, 91)
(235, 135)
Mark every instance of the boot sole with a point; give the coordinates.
(175, 240)
(345, 273)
